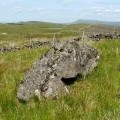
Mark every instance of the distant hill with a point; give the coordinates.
(81, 21)
(85, 21)
(34, 22)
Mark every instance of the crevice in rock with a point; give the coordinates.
(70, 81)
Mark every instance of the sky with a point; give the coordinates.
(59, 11)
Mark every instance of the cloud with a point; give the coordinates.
(22, 9)
(108, 2)
(19, 9)
(105, 10)
(69, 1)
(64, 2)
(1, 2)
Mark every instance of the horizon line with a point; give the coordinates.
(5, 22)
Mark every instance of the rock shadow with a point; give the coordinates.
(72, 80)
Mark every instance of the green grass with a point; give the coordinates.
(97, 97)
(24, 31)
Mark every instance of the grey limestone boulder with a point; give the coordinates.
(64, 60)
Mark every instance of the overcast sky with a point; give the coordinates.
(59, 10)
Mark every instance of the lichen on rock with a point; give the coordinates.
(65, 59)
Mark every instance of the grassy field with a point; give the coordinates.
(17, 34)
(24, 32)
(97, 97)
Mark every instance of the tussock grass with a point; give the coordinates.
(97, 97)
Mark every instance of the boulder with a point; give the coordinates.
(64, 60)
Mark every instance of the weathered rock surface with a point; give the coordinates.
(64, 60)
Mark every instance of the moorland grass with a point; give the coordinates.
(20, 33)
